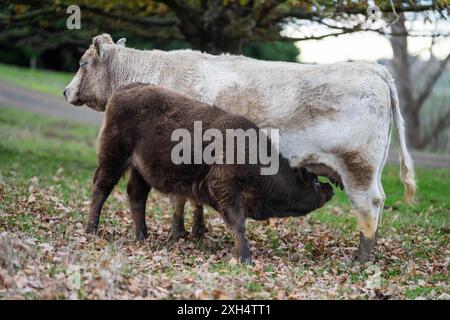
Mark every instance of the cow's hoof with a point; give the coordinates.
(198, 230)
(365, 248)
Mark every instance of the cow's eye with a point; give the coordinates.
(83, 63)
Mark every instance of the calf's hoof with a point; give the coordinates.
(365, 248)
(141, 236)
(91, 228)
(246, 260)
(178, 234)
(198, 231)
(245, 255)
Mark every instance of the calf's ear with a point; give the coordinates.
(100, 45)
(303, 176)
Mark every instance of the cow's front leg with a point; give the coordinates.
(137, 190)
(198, 226)
(178, 230)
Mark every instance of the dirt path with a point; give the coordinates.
(423, 159)
(17, 97)
(21, 98)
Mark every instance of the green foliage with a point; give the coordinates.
(211, 26)
(274, 51)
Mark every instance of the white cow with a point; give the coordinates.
(334, 119)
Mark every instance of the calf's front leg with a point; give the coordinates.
(137, 190)
(105, 178)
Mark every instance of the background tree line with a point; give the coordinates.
(34, 32)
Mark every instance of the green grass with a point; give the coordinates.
(46, 168)
(35, 145)
(432, 208)
(46, 81)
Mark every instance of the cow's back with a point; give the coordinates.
(324, 106)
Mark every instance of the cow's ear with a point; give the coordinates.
(100, 44)
(121, 42)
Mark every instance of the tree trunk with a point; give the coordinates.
(401, 67)
(216, 28)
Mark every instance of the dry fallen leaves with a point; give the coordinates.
(293, 258)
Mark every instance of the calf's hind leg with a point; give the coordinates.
(236, 220)
(178, 230)
(198, 226)
(137, 190)
(234, 216)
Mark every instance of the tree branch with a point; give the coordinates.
(426, 91)
(51, 7)
(146, 21)
(358, 28)
(294, 39)
(264, 10)
(301, 14)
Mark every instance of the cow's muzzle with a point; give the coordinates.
(70, 99)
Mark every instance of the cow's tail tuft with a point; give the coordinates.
(406, 162)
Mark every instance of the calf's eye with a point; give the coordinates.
(83, 63)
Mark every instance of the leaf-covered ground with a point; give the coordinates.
(45, 183)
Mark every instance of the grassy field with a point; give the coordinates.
(45, 182)
(51, 82)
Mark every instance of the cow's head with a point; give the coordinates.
(91, 85)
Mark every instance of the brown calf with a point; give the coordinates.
(136, 135)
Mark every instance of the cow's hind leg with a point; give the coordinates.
(367, 205)
(360, 172)
(368, 209)
(137, 190)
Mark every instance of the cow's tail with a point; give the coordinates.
(406, 163)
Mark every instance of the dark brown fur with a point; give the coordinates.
(139, 121)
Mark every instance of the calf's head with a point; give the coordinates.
(314, 193)
(297, 193)
(91, 85)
